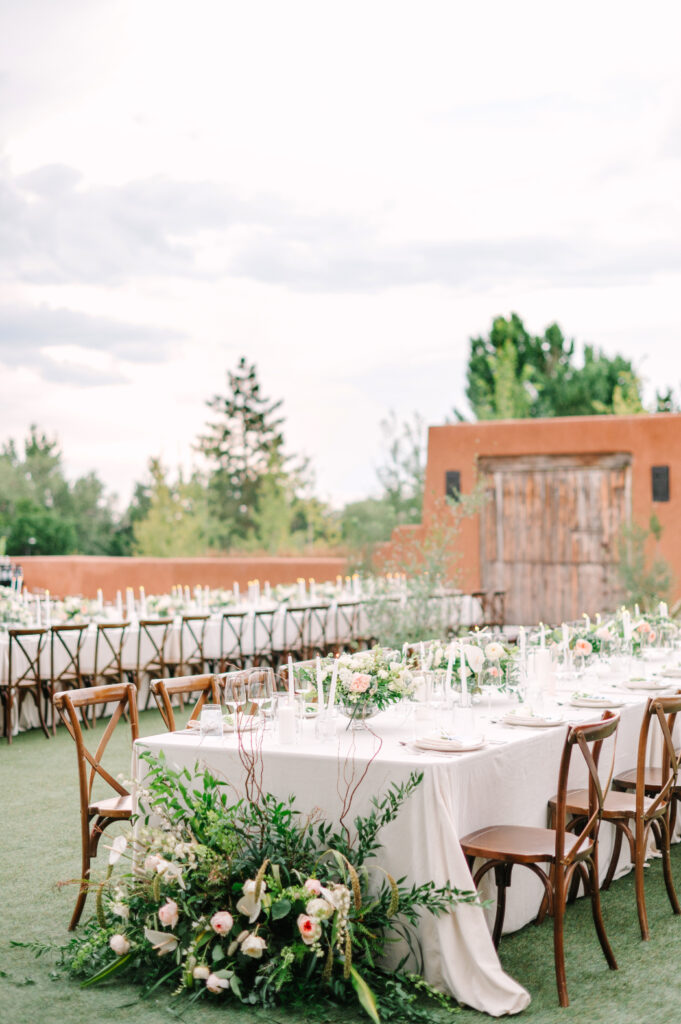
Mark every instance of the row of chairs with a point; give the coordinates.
(642, 800)
(308, 632)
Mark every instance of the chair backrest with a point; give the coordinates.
(206, 686)
(192, 633)
(589, 739)
(232, 624)
(66, 644)
(347, 621)
(26, 646)
(68, 703)
(151, 645)
(664, 710)
(109, 649)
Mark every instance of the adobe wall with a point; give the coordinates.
(83, 574)
(650, 439)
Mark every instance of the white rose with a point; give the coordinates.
(494, 651)
(121, 910)
(474, 657)
(253, 946)
(168, 915)
(119, 944)
(216, 984)
(320, 909)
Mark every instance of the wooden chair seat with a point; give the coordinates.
(112, 807)
(615, 805)
(652, 780)
(521, 844)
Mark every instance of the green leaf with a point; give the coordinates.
(365, 996)
(110, 969)
(217, 954)
(280, 909)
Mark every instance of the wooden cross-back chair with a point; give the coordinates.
(66, 643)
(151, 662)
(562, 853)
(24, 676)
(165, 690)
(315, 640)
(109, 652)
(296, 626)
(90, 769)
(232, 627)
(347, 627)
(645, 796)
(266, 651)
(192, 637)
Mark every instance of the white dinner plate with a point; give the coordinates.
(646, 684)
(535, 721)
(597, 701)
(454, 745)
(672, 673)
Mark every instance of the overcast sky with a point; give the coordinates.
(342, 192)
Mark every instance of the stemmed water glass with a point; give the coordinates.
(261, 693)
(235, 698)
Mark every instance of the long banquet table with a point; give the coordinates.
(509, 781)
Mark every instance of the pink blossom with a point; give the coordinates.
(310, 929)
(359, 683)
(168, 915)
(222, 922)
(313, 885)
(583, 647)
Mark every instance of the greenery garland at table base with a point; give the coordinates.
(231, 899)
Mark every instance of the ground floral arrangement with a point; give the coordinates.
(251, 901)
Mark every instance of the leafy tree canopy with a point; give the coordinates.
(512, 374)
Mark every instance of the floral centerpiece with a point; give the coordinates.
(482, 655)
(369, 681)
(14, 611)
(253, 902)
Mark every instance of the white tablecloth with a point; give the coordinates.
(508, 782)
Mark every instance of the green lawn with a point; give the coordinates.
(40, 847)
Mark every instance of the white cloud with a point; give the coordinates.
(342, 193)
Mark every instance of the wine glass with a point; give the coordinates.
(261, 693)
(235, 697)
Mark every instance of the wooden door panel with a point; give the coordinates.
(548, 532)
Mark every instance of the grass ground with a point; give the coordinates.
(39, 847)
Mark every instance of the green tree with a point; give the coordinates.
(178, 522)
(252, 482)
(41, 511)
(512, 374)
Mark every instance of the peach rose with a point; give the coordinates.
(168, 915)
(216, 984)
(359, 683)
(583, 647)
(313, 885)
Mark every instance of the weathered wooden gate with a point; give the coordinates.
(548, 532)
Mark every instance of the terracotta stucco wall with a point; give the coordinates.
(82, 574)
(651, 440)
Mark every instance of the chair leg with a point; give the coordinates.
(84, 878)
(598, 916)
(559, 897)
(639, 863)
(502, 876)
(667, 868)
(614, 858)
